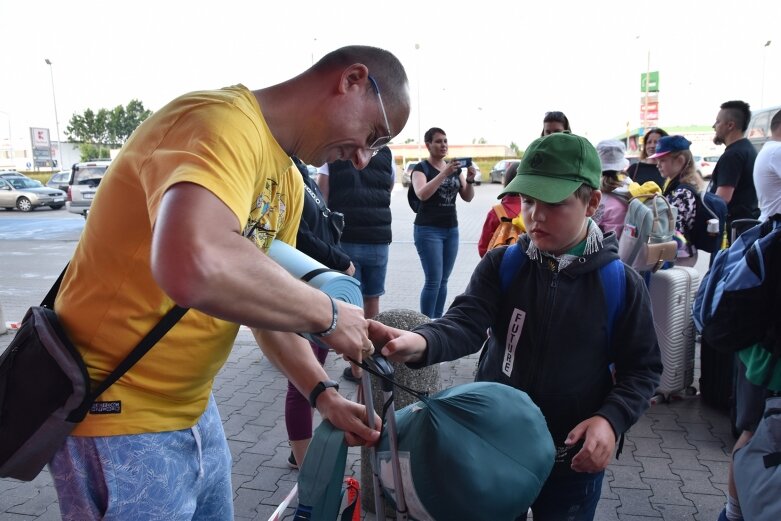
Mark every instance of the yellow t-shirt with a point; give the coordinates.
(108, 300)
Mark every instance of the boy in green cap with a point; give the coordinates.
(559, 319)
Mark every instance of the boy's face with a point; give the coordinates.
(558, 227)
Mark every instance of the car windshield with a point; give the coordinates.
(87, 174)
(20, 183)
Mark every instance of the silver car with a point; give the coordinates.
(27, 194)
(83, 184)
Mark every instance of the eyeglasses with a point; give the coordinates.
(381, 141)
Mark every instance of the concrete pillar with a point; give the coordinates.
(424, 380)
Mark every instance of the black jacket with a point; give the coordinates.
(561, 357)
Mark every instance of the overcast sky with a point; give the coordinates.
(490, 69)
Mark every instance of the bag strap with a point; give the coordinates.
(161, 328)
(611, 276)
(321, 475)
(499, 211)
(48, 300)
(166, 323)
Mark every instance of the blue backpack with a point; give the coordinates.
(611, 275)
(709, 206)
(737, 285)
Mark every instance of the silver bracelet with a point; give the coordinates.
(334, 319)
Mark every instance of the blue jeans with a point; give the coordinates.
(572, 497)
(437, 249)
(371, 265)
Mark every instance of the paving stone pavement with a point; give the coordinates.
(673, 466)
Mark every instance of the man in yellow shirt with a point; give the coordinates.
(184, 216)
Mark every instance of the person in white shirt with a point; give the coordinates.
(767, 172)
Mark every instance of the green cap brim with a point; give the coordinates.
(543, 188)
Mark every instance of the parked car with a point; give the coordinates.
(13, 173)
(406, 176)
(83, 184)
(27, 194)
(758, 131)
(706, 164)
(59, 180)
(497, 172)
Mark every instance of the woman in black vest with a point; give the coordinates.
(437, 183)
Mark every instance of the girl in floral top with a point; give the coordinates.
(682, 182)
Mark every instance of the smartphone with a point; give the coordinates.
(465, 162)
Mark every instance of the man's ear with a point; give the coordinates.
(593, 202)
(353, 76)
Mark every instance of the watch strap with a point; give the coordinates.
(318, 390)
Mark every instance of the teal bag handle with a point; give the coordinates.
(321, 475)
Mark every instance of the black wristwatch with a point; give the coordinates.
(470, 181)
(319, 388)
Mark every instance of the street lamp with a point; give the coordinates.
(764, 59)
(10, 140)
(56, 119)
(417, 48)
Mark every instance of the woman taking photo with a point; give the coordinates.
(645, 169)
(553, 122)
(682, 181)
(437, 183)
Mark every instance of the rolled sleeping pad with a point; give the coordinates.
(336, 284)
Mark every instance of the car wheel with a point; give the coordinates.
(24, 204)
(56, 206)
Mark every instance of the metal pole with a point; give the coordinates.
(10, 139)
(56, 119)
(417, 48)
(764, 60)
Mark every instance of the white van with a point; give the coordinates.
(758, 131)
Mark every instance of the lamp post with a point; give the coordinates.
(10, 140)
(417, 48)
(764, 60)
(56, 119)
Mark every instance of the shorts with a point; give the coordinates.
(170, 476)
(371, 265)
(749, 400)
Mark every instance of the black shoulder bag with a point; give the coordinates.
(45, 390)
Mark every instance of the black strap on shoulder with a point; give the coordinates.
(166, 323)
(48, 300)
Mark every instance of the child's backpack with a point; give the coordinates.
(709, 206)
(507, 232)
(647, 239)
(737, 285)
(611, 276)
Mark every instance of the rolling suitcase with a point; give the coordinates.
(672, 293)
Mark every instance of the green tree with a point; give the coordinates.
(514, 148)
(99, 132)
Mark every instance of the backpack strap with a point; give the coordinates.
(499, 211)
(611, 276)
(614, 285)
(321, 475)
(512, 261)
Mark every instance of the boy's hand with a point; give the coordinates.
(398, 345)
(598, 445)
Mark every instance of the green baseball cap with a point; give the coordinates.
(554, 166)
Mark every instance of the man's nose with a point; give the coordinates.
(361, 158)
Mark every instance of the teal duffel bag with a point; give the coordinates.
(478, 451)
